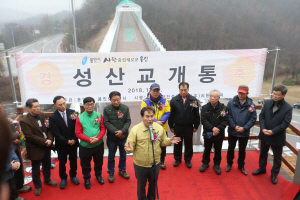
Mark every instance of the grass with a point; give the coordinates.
(291, 97)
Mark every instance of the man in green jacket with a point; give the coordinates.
(90, 129)
(117, 121)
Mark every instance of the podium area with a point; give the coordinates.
(179, 183)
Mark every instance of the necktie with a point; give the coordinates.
(275, 107)
(183, 100)
(64, 117)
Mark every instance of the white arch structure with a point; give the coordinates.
(110, 41)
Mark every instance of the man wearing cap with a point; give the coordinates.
(162, 113)
(274, 118)
(183, 122)
(241, 118)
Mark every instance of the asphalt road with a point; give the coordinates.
(46, 45)
(52, 46)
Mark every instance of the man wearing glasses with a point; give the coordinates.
(90, 130)
(274, 118)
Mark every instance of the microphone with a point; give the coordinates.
(151, 132)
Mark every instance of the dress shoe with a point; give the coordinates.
(259, 171)
(100, 180)
(20, 198)
(176, 163)
(24, 189)
(243, 170)
(217, 169)
(111, 178)
(124, 174)
(63, 184)
(163, 166)
(274, 179)
(51, 183)
(87, 184)
(204, 167)
(37, 192)
(188, 164)
(75, 180)
(228, 168)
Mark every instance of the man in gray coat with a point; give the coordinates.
(274, 118)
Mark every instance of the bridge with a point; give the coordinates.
(128, 31)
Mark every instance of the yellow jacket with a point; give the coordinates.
(141, 144)
(160, 114)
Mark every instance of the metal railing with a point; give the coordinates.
(150, 39)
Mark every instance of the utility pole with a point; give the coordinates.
(74, 26)
(274, 72)
(12, 83)
(12, 32)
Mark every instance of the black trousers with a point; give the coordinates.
(46, 162)
(207, 148)
(243, 141)
(86, 155)
(263, 157)
(19, 174)
(186, 134)
(13, 190)
(63, 157)
(163, 153)
(144, 174)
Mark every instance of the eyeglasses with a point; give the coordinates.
(89, 104)
(277, 94)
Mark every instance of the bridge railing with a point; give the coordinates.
(111, 38)
(152, 42)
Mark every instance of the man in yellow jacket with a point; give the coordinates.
(162, 113)
(140, 144)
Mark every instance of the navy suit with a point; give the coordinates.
(62, 134)
(277, 122)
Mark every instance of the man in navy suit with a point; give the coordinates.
(62, 126)
(274, 118)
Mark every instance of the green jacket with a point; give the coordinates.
(114, 123)
(85, 128)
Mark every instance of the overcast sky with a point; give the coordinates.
(40, 6)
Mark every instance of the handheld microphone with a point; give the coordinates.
(151, 132)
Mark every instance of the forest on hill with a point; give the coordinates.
(229, 24)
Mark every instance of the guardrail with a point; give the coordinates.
(111, 38)
(150, 39)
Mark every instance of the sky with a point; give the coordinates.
(40, 6)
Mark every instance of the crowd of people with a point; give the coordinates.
(147, 140)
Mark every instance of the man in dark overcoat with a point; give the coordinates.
(274, 118)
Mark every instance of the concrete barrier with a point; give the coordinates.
(110, 41)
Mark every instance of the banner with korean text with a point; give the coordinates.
(76, 76)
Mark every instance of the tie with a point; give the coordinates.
(275, 107)
(64, 117)
(183, 100)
